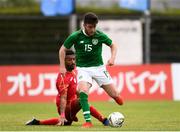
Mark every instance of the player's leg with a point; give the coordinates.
(52, 121)
(84, 83)
(104, 80)
(95, 113)
(111, 91)
(84, 89)
(33, 121)
(74, 108)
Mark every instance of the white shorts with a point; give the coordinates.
(99, 74)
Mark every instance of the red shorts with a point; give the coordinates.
(72, 108)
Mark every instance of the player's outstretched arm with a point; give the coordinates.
(113, 47)
(63, 102)
(62, 52)
(62, 85)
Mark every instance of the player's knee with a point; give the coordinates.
(83, 87)
(82, 90)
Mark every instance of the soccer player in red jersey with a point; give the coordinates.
(67, 101)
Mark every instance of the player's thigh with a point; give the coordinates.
(72, 108)
(83, 75)
(84, 80)
(102, 76)
(75, 104)
(68, 116)
(75, 108)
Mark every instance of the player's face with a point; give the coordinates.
(70, 62)
(90, 29)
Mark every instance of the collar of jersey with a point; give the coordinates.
(84, 33)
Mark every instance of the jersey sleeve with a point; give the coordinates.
(68, 43)
(106, 39)
(61, 84)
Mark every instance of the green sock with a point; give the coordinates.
(85, 106)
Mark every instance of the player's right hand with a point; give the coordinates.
(110, 62)
(62, 70)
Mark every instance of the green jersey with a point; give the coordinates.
(88, 48)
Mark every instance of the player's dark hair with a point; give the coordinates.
(69, 52)
(90, 18)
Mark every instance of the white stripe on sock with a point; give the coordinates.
(86, 112)
(88, 119)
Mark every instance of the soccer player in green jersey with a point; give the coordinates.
(88, 48)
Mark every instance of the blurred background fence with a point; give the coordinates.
(36, 39)
(31, 40)
(165, 32)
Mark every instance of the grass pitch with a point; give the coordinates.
(139, 116)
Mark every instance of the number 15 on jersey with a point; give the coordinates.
(88, 47)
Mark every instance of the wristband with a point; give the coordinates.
(63, 114)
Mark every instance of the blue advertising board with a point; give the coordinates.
(57, 7)
(140, 5)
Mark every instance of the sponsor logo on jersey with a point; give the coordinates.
(94, 41)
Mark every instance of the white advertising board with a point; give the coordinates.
(175, 69)
(127, 34)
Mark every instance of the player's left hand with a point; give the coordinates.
(110, 62)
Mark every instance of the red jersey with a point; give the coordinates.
(68, 84)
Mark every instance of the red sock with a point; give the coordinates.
(96, 114)
(119, 100)
(52, 121)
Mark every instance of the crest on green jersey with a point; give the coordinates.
(94, 41)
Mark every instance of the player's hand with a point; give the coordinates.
(62, 70)
(110, 62)
(62, 120)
